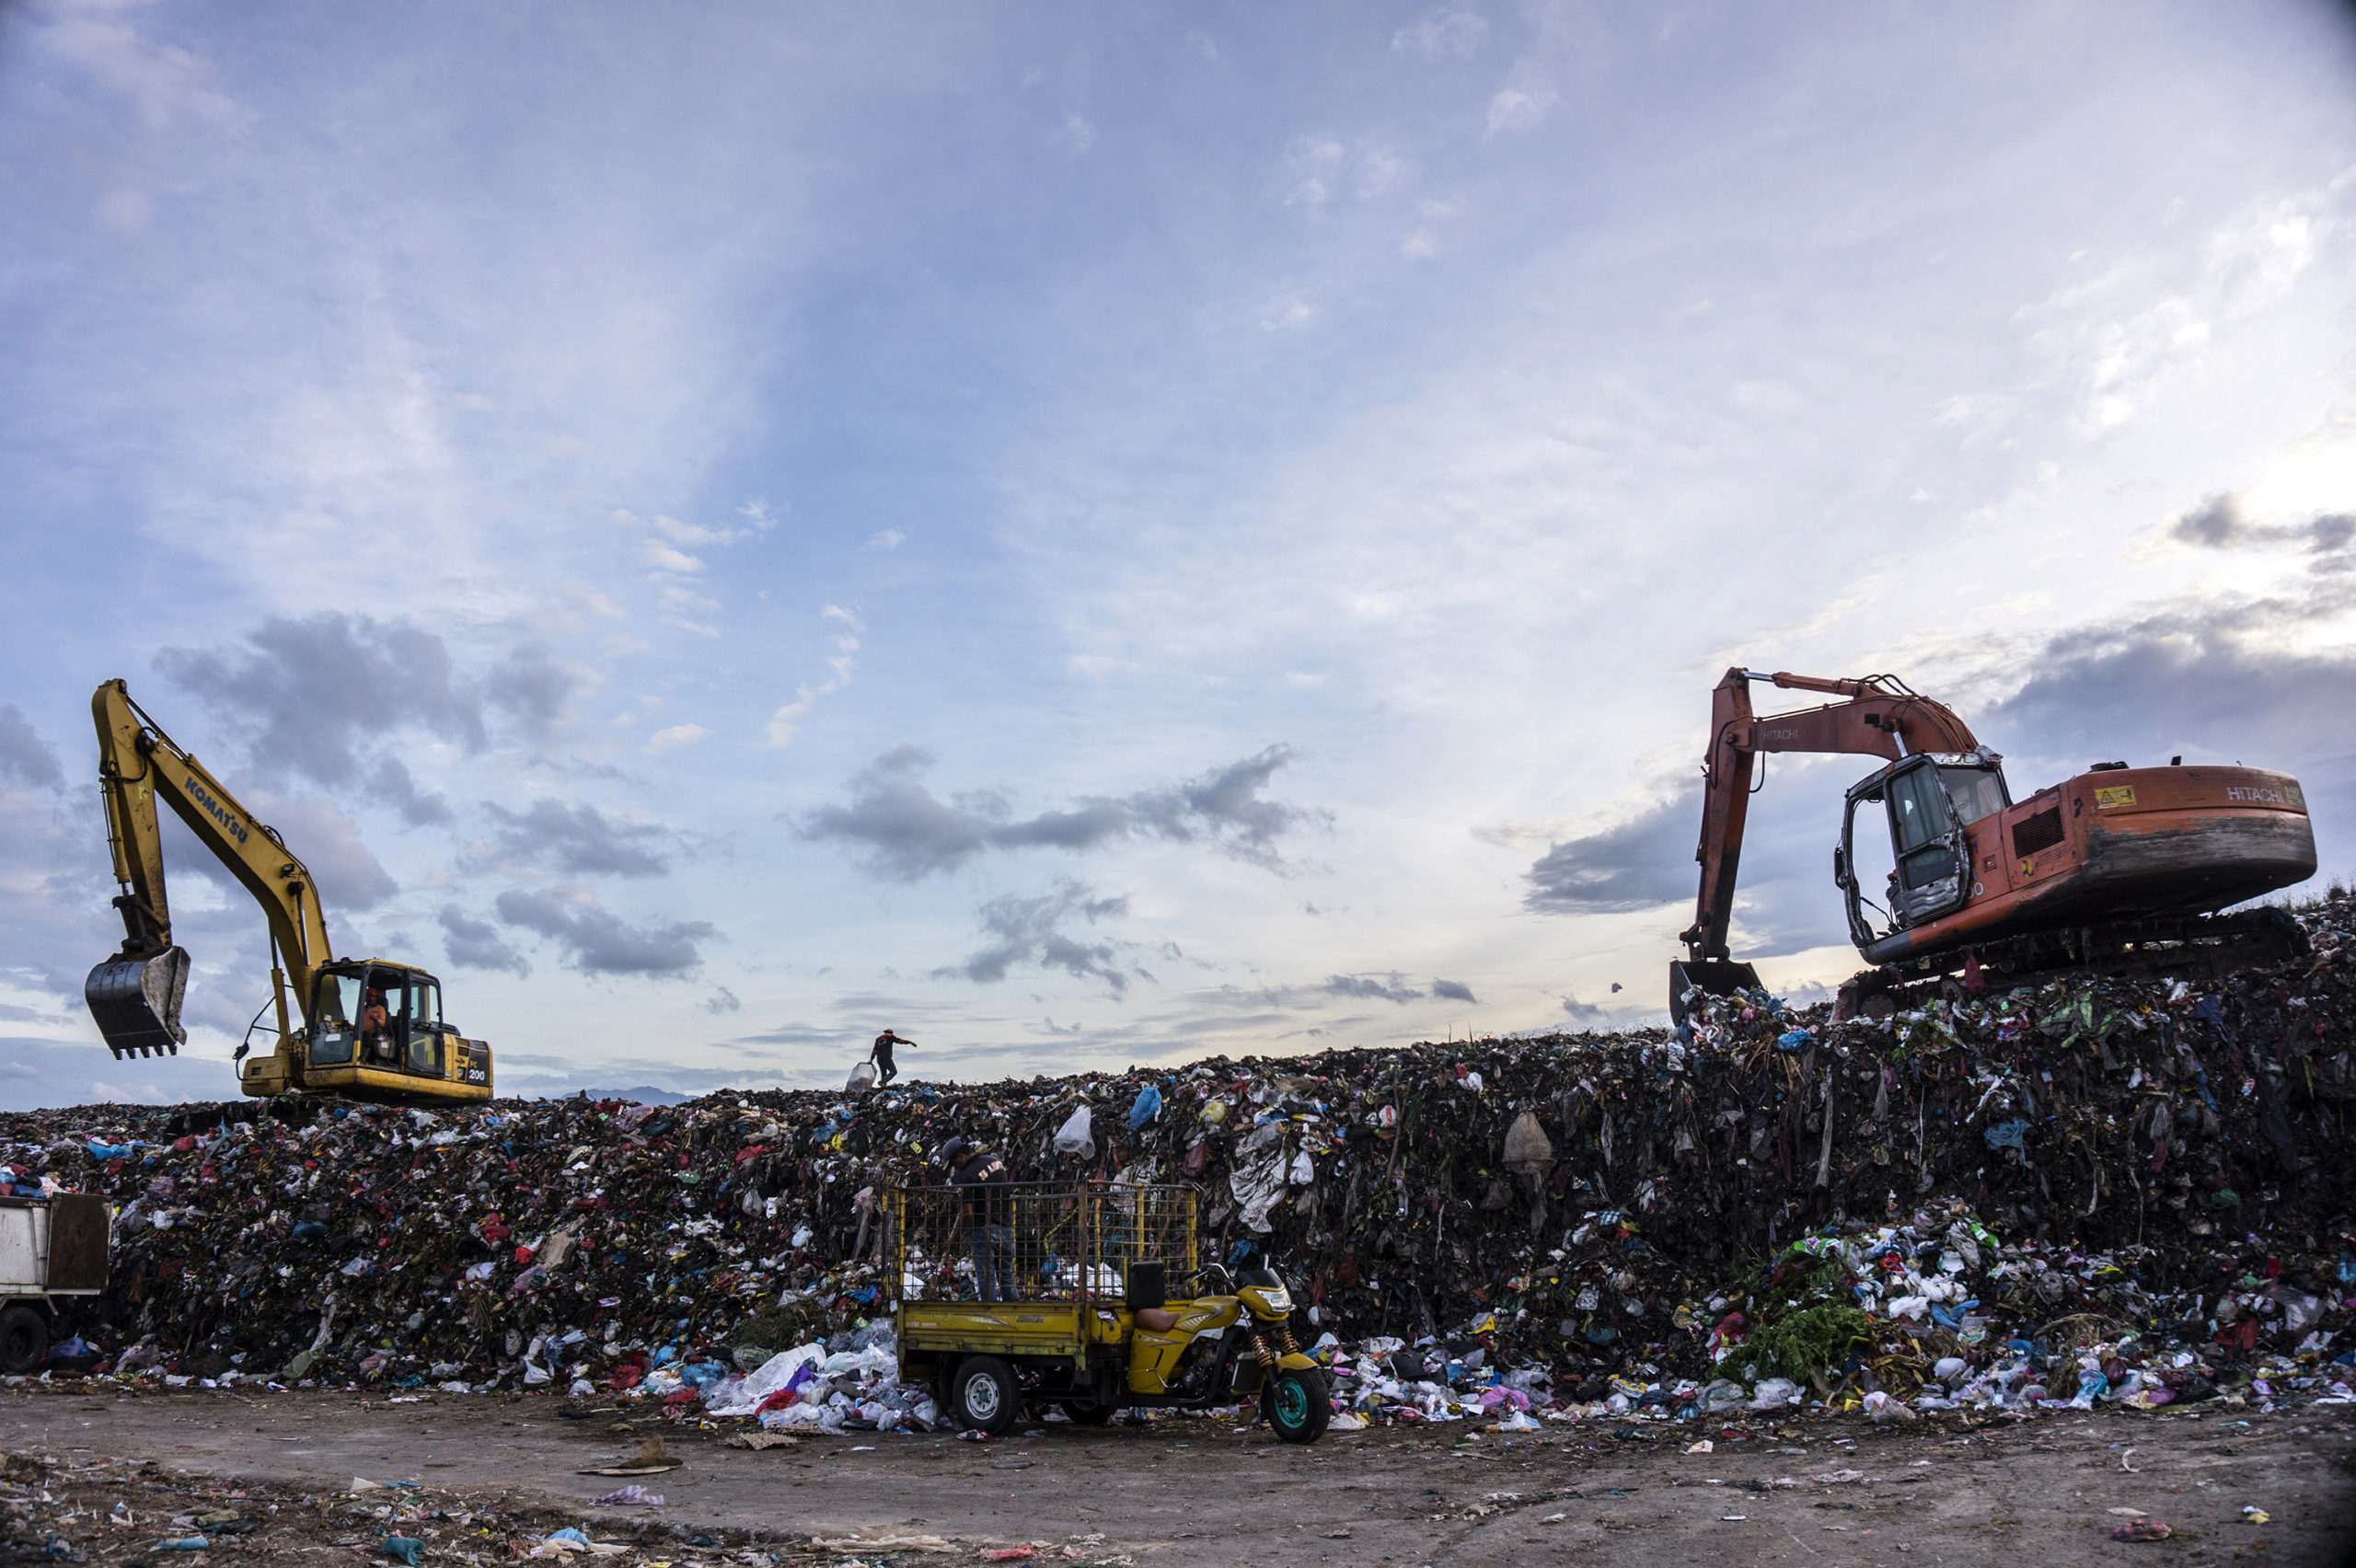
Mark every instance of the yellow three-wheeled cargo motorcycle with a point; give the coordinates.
(1047, 1294)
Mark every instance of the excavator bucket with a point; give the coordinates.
(1712, 977)
(136, 1002)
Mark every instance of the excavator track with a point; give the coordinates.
(2190, 947)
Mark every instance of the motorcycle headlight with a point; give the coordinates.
(1279, 1301)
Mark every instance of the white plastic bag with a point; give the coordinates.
(1078, 1135)
(1529, 1151)
(863, 1079)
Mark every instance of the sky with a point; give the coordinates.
(1095, 535)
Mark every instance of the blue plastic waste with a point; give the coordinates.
(409, 1548)
(2007, 1134)
(1148, 1106)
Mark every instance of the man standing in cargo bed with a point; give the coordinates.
(981, 1176)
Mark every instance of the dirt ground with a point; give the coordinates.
(493, 1476)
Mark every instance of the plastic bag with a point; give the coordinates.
(1775, 1393)
(1078, 1135)
(863, 1079)
(1529, 1152)
(1148, 1106)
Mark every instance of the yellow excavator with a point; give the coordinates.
(372, 1030)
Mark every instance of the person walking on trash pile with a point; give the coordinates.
(988, 1216)
(881, 1056)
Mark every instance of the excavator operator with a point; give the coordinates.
(376, 1026)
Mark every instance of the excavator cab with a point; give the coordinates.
(1930, 801)
(376, 1032)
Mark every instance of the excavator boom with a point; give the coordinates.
(135, 996)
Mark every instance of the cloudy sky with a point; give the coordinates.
(1103, 535)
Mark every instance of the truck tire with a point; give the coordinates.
(1090, 1416)
(1297, 1404)
(24, 1340)
(984, 1396)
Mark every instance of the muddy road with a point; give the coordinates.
(1828, 1493)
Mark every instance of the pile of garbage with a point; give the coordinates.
(1960, 1204)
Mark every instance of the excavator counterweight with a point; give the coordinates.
(2118, 868)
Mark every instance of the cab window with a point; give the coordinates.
(334, 1023)
(424, 1009)
(1918, 811)
(1977, 793)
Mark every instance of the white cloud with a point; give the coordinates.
(164, 82)
(662, 558)
(1313, 163)
(1379, 171)
(1285, 312)
(676, 736)
(786, 722)
(1075, 136)
(1453, 32)
(886, 540)
(1521, 105)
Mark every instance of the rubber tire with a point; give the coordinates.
(1308, 1384)
(1090, 1415)
(24, 1340)
(990, 1381)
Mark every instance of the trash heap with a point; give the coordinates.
(1956, 1204)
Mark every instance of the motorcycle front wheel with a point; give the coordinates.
(1297, 1404)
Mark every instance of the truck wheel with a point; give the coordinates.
(984, 1395)
(24, 1340)
(1090, 1416)
(1297, 1404)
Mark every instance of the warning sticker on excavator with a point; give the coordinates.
(2112, 798)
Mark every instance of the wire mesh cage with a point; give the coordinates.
(1034, 1241)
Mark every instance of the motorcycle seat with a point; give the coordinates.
(1156, 1319)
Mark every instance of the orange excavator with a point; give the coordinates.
(2119, 869)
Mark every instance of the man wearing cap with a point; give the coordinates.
(881, 1056)
(983, 1179)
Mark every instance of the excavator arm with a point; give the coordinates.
(135, 996)
(1878, 717)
